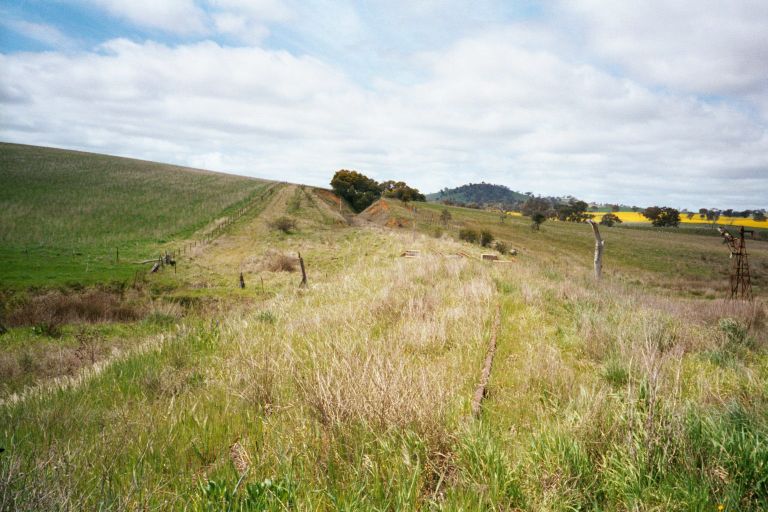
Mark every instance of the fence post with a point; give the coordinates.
(303, 283)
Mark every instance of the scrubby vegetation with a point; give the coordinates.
(284, 223)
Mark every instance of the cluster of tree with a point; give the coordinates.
(662, 216)
(400, 190)
(713, 214)
(480, 195)
(612, 207)
(360, 191)
(567, 209)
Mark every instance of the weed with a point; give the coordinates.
(266, 494)
(266, 316)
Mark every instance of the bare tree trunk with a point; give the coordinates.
(599, 244)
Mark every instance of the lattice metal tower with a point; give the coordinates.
(741, 284)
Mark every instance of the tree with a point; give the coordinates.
(759, 216)
(615, 208)
(662, 216)
(400, 190)
(537, 219)
(536, 205)
(572, 211)
(358, 190)
(609, 219)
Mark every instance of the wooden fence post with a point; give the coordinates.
(303, 283)
(599, 244)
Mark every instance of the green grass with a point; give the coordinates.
(644, 391)
(688, 261)
(66, 213)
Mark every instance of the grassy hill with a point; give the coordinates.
(65, 213)
(479, 193)
(643, 391)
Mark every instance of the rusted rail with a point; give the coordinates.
(485, 375)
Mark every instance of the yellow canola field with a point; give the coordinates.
(637, 217)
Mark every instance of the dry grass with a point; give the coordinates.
(396, 395)
(55, 308)
(274, 261)
(356, 389)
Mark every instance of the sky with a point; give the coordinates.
(640, 103)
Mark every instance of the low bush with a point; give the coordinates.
(284, 224)
(501, 247)
(469, 235)
(278, 262)
(486, 237)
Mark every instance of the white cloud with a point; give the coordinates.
(513, 105)
(41, 32)
(702, 46)
(174, 16)
(262, 10)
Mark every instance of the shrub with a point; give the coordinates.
(486, 238)
(735, 333)
(278, 262)
(469, 235)
(50, 328)
(49, 311)
(501, 247)
(445, 216)
(284, 224)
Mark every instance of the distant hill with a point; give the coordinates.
(483, 194)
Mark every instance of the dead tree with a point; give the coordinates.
(160, 262)
(599, 244)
